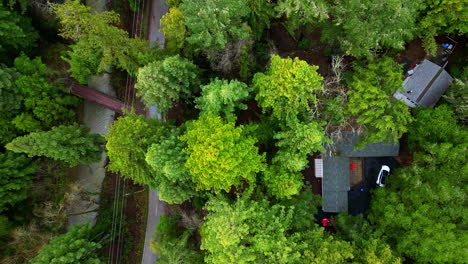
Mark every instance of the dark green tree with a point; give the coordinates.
(372, 103)
(422, 206)
(46, 104)
(75, 246)
(165, 82)
(362, 27)
(128, 141)
(167, 159)
(302, 12)
(261, 12)
(212, 24)
(16, 33)
(16, 172)
(72, 144)
(457, 96)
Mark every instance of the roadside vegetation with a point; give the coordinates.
(249, 91)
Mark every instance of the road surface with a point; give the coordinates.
(155, 207)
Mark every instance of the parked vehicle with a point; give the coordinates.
(383, 174)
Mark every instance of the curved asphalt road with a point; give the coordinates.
(155, 207)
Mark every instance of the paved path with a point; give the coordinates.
(90, 177)
(155, 206)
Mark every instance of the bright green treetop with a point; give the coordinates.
(221, 96)
(16, 172)
(168, 161)
(250, 231)
(99, 37)
(212, 24)
(287, 88)
(75, 246)
(72, 144)
(219, 154)
(128, 141)
(165, 82)
(371, 101)
(173, 28)
(362, 27)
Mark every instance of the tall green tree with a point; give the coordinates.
(372, 103)
(362, 27)
(457, 96)
(167, 159)
(100, 37)
(16, 172)
(287, 88)
(166, 82)
(250, 231)
(302, 12)
(212, 24)
(261, 12)
(75, 246)
(220, 155)
(46, 104)
(72, 144)
(173, 28)
(11, 104)
(16, 33)
(128, 140)
(221, 96)
(433, 125)
(421, 209)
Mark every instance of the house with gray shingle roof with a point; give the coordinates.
(425, 85)
(336, 168)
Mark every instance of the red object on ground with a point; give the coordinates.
(327, 222)
(412, 65)
(352, 166)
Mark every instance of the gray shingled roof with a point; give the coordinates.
(335, 184)
(427, 84)
(380, 149)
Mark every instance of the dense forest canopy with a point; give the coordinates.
(248, 93)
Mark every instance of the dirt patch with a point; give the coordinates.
(405, 158)
(413, 52)
(356, 176)
(312, 51)
(252, 114)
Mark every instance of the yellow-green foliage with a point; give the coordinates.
(220, 154)
(173, 28)
(287, 88)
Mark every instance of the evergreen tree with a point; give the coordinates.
(166, 82)
(71, 144)
(212, 24)
(167, 159)
(128, 140)
(221, 96)
(75, 246)
(372, 103)
(16, 172)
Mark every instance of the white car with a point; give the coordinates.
(383, 174)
